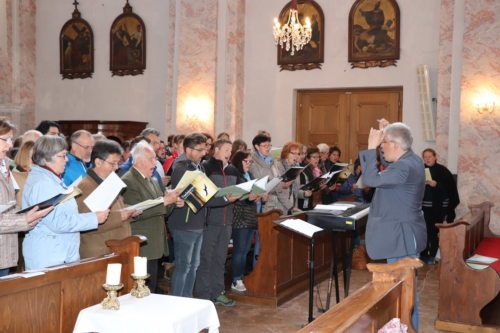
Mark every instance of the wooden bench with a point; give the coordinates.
(389, 295)
(51, 302)
(468, 298)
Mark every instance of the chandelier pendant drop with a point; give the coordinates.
(293, 35)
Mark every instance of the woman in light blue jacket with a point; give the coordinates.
(56, 238)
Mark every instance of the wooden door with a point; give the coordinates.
(344, 117)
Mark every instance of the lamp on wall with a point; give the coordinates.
(485, 107)
(293, 34)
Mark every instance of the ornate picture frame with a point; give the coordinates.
(127, 44)
(312, 55)
(76, 47)
(374, 27)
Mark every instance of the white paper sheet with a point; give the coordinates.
(479, 259)
(104, 195)
(301, 227)
(335, 206)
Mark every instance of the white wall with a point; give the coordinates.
(269, 93)
(102, 97)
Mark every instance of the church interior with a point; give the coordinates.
(212, 66)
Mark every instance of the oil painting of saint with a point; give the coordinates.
(374, 33)
(76, 49)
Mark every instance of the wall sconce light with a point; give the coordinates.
(485, 107)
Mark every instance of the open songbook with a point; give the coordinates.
(103, 196)
(196, 189)
(150, 203)
(256, 186)
(54, 201)
(292, 173)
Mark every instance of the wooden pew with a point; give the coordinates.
(468, 298)
(51, 302)
(389, 295)
(281, 272)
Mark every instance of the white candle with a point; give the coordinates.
(113, 274)
(140, 266)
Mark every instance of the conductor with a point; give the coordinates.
(396, 226)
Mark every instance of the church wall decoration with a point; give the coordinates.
(374, 27)
(312, 54)
(127, 44)
(76, 47)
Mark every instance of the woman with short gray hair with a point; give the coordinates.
(55, 239)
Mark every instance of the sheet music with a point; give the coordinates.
(479, 259)
(104, 195)
(301, 227)
(335, 206)
(145, 204)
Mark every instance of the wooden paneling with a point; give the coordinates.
(121, 130)
(343, 117)
(282, 270)
(50, 303)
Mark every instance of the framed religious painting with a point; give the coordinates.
(312, 54)
(374, 27)
(76, 47)
(127, 44)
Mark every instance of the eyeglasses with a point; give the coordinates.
(198, 149)
(248, 161)
(266, 145)
(7, 140)
(314, 156)
(113, 164)
(63, 155)
(84, 147)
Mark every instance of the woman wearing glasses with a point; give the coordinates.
(244, 222)
(10, 222)
(105, 157)
(289, 158)
(56, 238)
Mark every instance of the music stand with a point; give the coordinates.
(309, 231)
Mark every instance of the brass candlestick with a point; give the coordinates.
(111, 301)
(140, 289)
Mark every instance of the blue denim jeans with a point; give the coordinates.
(414, 315)
(187, 246)
(242, 239)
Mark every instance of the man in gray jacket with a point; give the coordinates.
(396, 226)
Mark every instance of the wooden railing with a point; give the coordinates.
(389, 295)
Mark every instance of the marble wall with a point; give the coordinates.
(479, 162)
(478, 140)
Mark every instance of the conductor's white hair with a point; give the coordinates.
(140, 149)
(399, 133)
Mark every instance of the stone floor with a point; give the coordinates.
(289, 317)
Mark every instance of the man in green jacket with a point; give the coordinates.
(142, 186)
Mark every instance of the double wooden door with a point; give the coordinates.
(343, 117)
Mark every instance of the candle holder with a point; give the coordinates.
(140, 289)
(111, 301)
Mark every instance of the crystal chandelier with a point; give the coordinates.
(293, 34)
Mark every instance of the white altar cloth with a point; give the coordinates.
(154, 313)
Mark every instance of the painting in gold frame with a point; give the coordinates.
(76, 47)
(374, 27)
(312, 54)
(127, 44)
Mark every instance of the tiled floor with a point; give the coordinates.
(289, 317)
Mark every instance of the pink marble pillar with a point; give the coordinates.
(479, 154)
(196, 66)
(17, 69)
